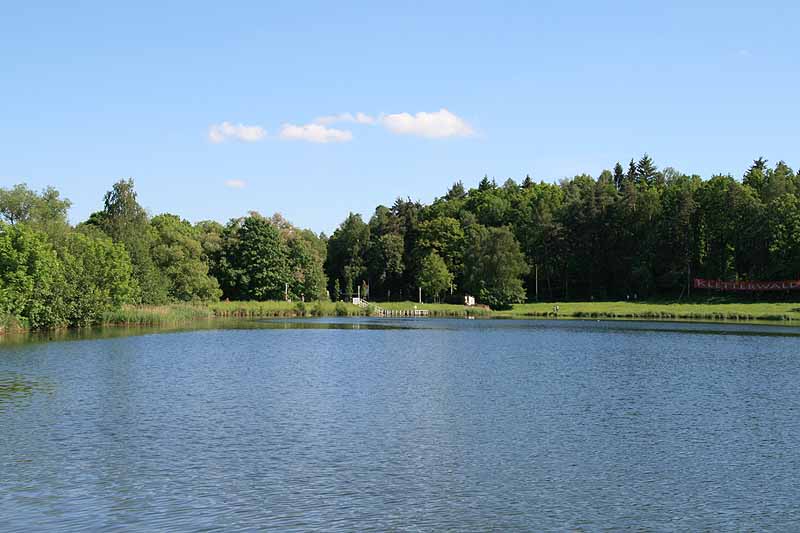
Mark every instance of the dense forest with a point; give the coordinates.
(638, 232)
(634, 232)
(54, 275)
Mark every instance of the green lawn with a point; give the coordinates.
(661, 310)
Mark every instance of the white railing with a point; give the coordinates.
(380, 311)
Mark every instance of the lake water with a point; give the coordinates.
(405, 425)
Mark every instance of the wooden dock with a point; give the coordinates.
(397, 313)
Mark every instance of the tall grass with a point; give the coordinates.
(157, 315)
(283, 309)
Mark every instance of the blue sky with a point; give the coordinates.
(214, 107)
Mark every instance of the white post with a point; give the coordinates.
(420, 295)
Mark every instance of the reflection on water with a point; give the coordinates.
(112, 332)
(403, 425)
(751, 328)
(15, 389)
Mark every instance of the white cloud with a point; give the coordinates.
(435, 125)
(315, 133)
(218, 133)
(358, 118)
(236, 184)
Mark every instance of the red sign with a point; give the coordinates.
(718, 285)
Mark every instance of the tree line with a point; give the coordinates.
(634, 232)
(630, 232)
(55, 275)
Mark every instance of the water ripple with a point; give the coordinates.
(429, 426)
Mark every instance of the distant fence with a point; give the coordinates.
(752, 286)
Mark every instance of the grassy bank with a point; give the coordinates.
(783, 311)
(736, 311)
(157, 315)
(176, 314)
(181, 313)
(283, 309)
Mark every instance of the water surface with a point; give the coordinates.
(410, 425)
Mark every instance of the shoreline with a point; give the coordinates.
(725, 311)
(118, 330)
(176, 315)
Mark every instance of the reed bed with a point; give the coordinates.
(157, 315)
(270, 309)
